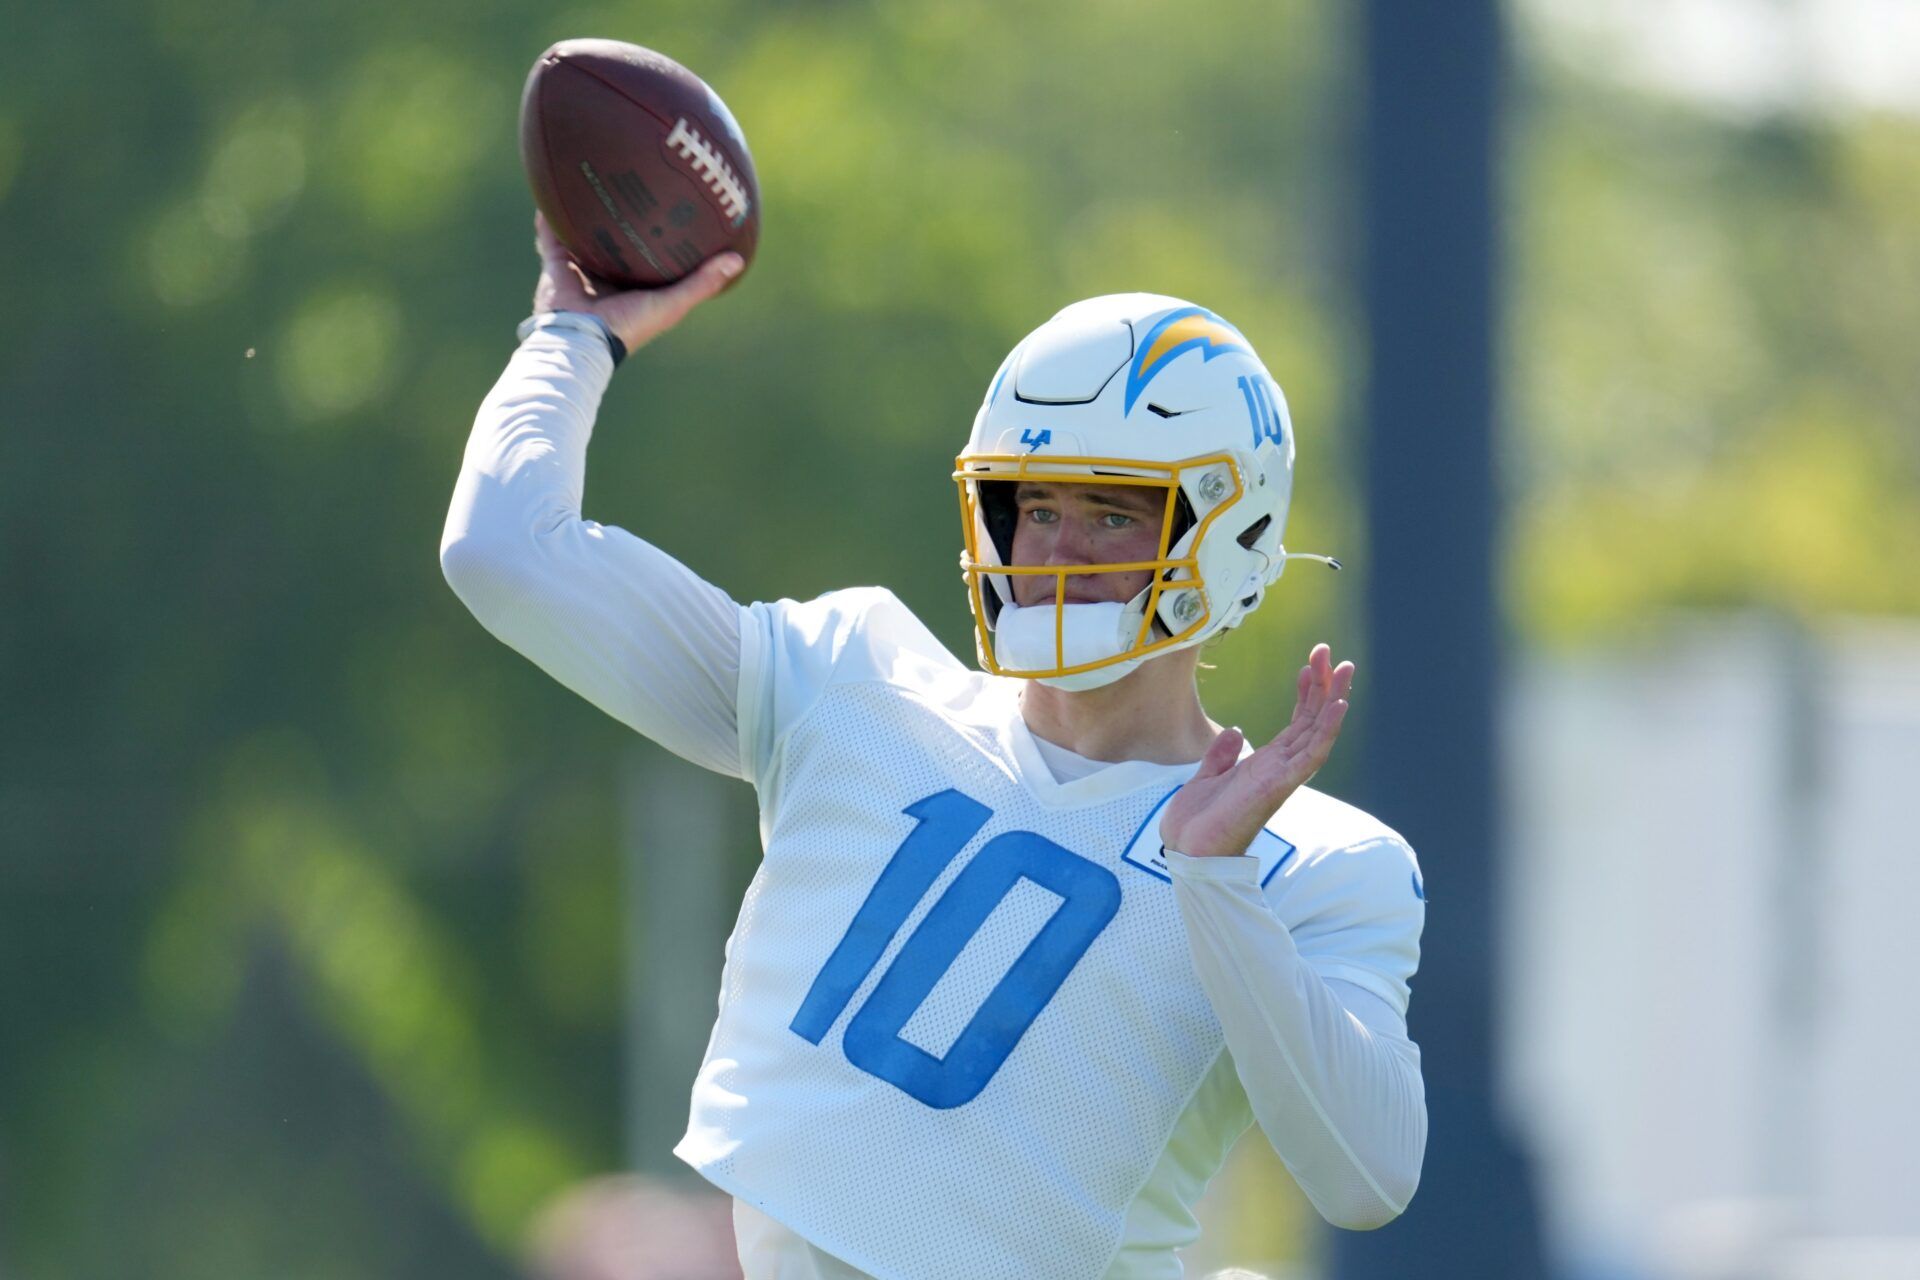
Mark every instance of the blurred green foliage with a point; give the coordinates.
(309, 932)
(1716, 398)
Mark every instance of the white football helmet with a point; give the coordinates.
(1135, 389)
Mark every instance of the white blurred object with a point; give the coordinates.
(1709, 1026)
(1731, 1239)
(1864, 1258)
(1743, 58)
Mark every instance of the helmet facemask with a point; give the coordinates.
(1084, 644)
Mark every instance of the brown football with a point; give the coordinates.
(639, 167)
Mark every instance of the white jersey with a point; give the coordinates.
(974, 1022)
(954, 981)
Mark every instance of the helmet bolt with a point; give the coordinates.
(1186, 607)
(1213, 486)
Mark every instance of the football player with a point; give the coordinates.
(1029, 946)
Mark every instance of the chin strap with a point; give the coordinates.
(1328, 561)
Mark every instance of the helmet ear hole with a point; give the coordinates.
(1251, 534)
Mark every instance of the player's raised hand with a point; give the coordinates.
(636, 316)
(1220, 811)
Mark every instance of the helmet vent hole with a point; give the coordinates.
(1253, 532)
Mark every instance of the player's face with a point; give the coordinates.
(1069, 524)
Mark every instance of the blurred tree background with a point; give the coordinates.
(309, 890)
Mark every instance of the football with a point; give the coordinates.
(638, 166)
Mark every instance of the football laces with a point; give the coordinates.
(712, 168)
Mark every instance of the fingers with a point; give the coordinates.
(637, 316)
(1320, 707)
(562, 285)
(1323, 682)
(709, 278)
(1221, 754)
(546, 243)
(1281, 767)
(642, 315)
(1317, 680)
(1327, 707)
(1314, 753)
(1317, 742)
(1305, 712)
(1312, 691)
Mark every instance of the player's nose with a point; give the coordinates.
(1072, 543)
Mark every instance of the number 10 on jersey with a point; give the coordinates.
(947, 821)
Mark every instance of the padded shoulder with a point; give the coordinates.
(792, 652)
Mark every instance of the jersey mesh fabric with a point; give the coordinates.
(1034, 1175)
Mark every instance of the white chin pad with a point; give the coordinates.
(1023, 640)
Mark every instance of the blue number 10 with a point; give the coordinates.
(1260, 407)
(872, 1041)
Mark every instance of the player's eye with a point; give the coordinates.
(1041, 515)
(1116, 520)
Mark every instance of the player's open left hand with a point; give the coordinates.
(636, 316)
(1220, 811)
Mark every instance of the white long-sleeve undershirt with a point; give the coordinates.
(1327, 1067)
(1333, 1079)
(620, 622)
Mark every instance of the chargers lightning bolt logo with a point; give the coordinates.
(1177, 331)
